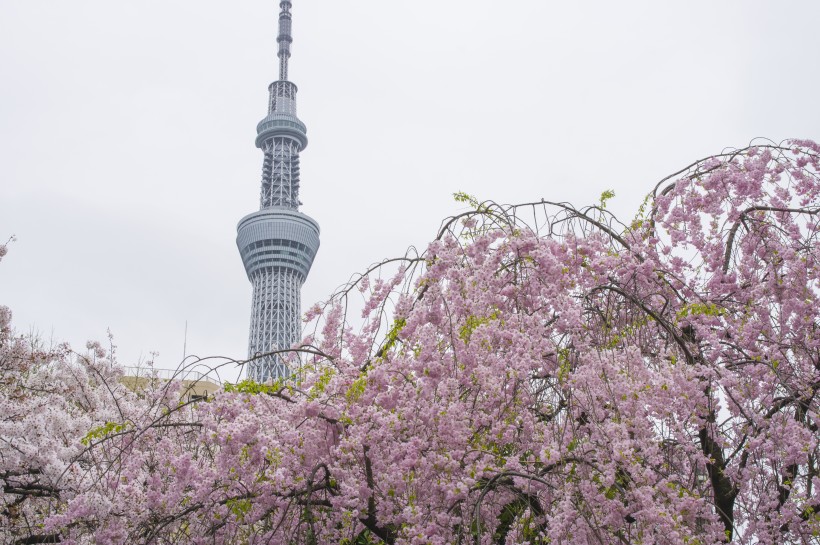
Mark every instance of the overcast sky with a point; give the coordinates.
(127, 134)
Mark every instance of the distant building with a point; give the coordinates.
(277, 243)
(193, 384)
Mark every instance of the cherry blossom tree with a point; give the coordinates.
(60, 412)
(541, 373)
(48, 401)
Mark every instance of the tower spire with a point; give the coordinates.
(284, 39)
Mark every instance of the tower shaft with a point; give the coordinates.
(278, 243)
(275, 314)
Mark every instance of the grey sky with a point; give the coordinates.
(127, 129)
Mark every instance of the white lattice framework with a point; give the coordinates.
(278, 243)
(275, 320)
(280, 173)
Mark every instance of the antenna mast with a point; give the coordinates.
(284, 39)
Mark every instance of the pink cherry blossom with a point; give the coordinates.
(540, 374)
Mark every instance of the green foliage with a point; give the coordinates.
(322, 382)
(627, 330)
(356, 389)
(471, 323)
(239, 507)
(700, 309)
(393, 335)
(564, 365)
(466, 198)
(471, 200)
(641, 216)
(100, 432)
(252, 387)
(605, 196)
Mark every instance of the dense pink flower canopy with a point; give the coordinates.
(540, 374)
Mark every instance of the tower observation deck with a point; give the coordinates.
(277, 243)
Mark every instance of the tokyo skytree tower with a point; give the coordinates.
(277, 243)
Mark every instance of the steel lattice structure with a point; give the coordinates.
(277, 243)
